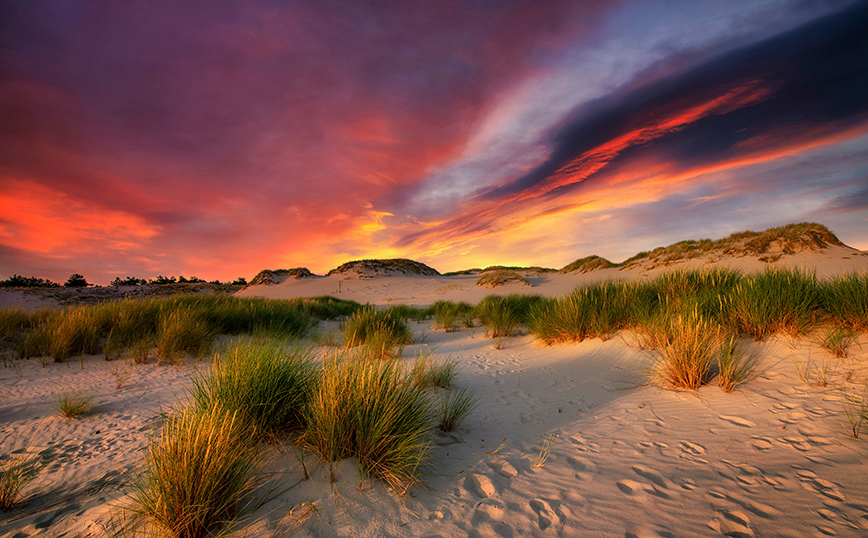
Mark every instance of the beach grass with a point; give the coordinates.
(503, 315)
(17, 469)
(845, 301)
(454, 406)
(372, 411)
(450, 316)
(183, 332)
(74, 403)
(734, 365)
(198, 473)
(686, 360)
(385, 326)
(773, 301)
(266, 382)
(426, 372)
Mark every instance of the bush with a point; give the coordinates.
(449, 315)
(76, 280)
(73, 404)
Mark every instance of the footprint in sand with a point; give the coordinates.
(546, 516)
(823, 487)
(733, 523)
(799, 443)
(652, 475)
(503, 468)
(634, 489)
(692, 448)
(738, 421)
(582, 465)
(761, 443)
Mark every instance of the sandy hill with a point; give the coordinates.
(806, 246)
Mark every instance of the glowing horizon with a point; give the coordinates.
(216, 141)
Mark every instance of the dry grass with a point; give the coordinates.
(17, 469)
(74, 404)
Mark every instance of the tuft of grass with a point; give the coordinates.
(266, 383)
(454, 407)
(198, 474)
(449, 316)
(17, 469)
(73, 404)
(733, 366)
(856, 411)
(845, 300)
(545, 451)
(597, 310)
(500, 277)
(503, 315)
(837, 340)
(364, 324)
(685, 361)
(182, 332)
(370, 410)
(428, 373)
(12, 321)
(774, 301)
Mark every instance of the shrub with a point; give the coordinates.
(386, 324)
(198, 473)
(370, 410)
(76, 280)
(268, 384)
(73, 404)
(502, 315)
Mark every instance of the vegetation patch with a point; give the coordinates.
(588, 264)
(500, 277)
(382, 267)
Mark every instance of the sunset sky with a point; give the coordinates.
(218, 138)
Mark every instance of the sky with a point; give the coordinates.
(218, 138)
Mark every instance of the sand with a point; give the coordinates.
(627, 458)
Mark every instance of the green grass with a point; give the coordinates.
(74, 404)
(372, 411)
(774, 301)
(503, 315)
(182, 332)
(845, 301)
(454, 406)
(449, 315)
(837, 340)
(597, 310)
(426, 372)
(267, 383)
(386, 326)
(198, 474)
(12, 321)
(17, 469)
(734, 366)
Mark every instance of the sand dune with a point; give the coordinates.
(626, 457)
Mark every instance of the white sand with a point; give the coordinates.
(629, 458)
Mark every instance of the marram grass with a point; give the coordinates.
(17, 469)
(198, 474)
(74, 404)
